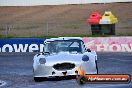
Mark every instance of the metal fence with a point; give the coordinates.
(55, 29)
(44, 29)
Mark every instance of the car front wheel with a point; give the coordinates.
(81, 80)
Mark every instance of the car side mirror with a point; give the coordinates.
(46, 53)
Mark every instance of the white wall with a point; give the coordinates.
(53, 2)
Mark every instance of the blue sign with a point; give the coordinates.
(22, 45)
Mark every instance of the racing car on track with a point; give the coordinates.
(62, 56)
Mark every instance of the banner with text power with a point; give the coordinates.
(22, 45)
(99, 44)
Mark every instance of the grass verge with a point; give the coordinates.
(54, 36)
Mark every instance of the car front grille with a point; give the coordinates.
(64, 66)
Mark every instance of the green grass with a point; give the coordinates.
(54, 36)
(66, 35)
(124, 34)
(1, 36)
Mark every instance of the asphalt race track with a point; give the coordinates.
(16, 71)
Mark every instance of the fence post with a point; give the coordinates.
(8, 28)
(6, 31)
(47, 28)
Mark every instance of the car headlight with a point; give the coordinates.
(85, 58)
(42, 60)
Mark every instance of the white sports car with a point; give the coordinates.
(62, 56)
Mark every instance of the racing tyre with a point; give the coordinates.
(96, 67)
(40, 79)
(37, 79)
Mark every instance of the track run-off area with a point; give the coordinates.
(16, 71)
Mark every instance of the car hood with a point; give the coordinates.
(63, 57)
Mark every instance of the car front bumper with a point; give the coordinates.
(49, 71)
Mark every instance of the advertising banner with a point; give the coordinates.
(22, 45)
(109, 44)
(99, 44)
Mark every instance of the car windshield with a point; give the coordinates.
(64, 46)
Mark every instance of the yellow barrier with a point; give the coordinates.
(108, 18)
